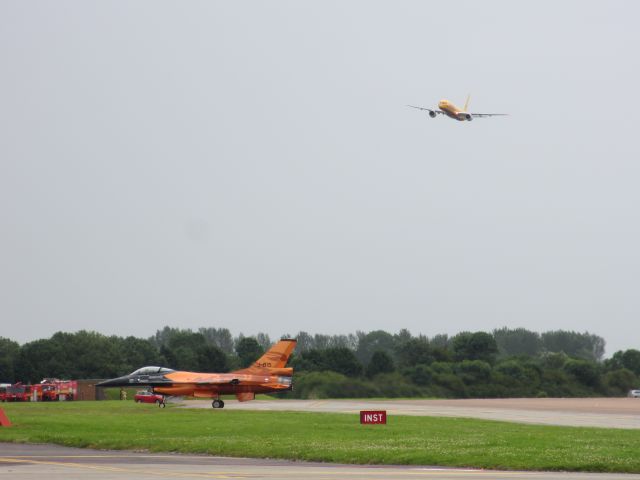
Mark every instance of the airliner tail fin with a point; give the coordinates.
(466, 104)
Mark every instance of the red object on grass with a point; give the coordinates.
(373, 416)
(4, 421)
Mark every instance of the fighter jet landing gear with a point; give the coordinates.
(217, 403)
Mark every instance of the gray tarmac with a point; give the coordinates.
(576, 412)
(37, 462)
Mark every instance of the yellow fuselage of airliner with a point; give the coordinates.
(452, 111)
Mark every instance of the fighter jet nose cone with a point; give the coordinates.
(114, 382)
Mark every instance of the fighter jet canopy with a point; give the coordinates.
(152, 371)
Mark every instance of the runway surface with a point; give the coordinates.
(577, 412)
(35, 462)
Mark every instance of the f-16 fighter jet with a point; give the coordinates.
(265, 375)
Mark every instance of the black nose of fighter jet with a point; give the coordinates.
(116, 382)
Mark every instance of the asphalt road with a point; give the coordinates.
(579, 412)
(52, 462)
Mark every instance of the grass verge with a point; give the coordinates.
(324, 437)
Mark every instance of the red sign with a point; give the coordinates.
(373, 416)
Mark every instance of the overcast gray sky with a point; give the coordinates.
(252, 165)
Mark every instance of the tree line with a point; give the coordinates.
(502, 363)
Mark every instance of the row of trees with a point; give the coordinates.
(92, 355)
(466, 365)
(505, 362)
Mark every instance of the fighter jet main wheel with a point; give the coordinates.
(217, 403)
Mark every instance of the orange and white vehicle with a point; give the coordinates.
(445, 107)
(267, 374)
(53, 389)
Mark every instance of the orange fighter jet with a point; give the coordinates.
(450, 110)
(267, 374)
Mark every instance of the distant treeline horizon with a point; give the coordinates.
(503, 363)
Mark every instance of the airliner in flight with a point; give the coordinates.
(445, 107)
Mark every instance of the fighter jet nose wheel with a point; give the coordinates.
(217, 404)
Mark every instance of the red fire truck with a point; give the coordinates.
(18, 393)
(52, 389)
(3, 391)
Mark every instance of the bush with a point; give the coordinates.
(554, 360)
(585, 372)
(441, 367)
(619, 382)
(331, 385)
(340, 360)
(473, 371)
(474, 346)
(395, 385)
(557, 383)
(380, 362)
(420, 374)
(452, 384)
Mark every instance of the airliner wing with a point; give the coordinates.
(430, 110)
(482, 115)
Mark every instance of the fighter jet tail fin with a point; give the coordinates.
(274, 359)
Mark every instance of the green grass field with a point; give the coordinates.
(323, 437)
